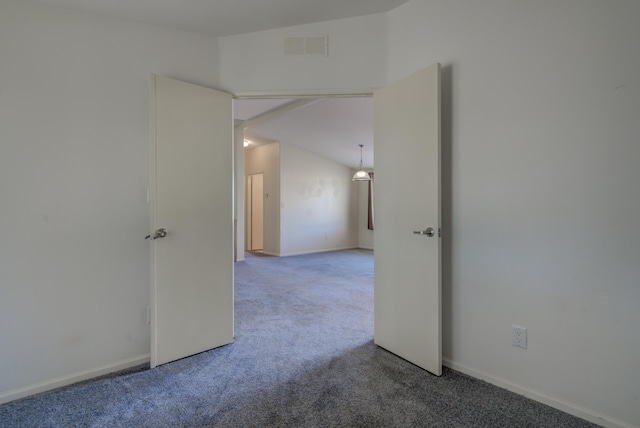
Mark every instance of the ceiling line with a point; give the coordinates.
(292, 94)
(277, 112)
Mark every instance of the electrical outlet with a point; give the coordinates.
(519, 336)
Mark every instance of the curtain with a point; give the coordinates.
(370, 202)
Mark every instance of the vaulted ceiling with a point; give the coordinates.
(330, 127)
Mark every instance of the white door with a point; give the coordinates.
(407, 208)
(257, 211)
(248, 208)
(191, 197)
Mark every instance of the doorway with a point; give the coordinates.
(307, 149)
(407, 267)
(394, 117)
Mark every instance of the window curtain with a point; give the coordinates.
(370, 202)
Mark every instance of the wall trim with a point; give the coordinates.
(572, 409)
(309, 93)
(59, 382)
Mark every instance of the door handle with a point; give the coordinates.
(160, 233)
(429, 231)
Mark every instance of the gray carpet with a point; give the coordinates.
(303, 357)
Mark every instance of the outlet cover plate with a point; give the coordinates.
(519, 336)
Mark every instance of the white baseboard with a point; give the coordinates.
(572, 409)
(363, 247)
(326, 250)
(59, 382)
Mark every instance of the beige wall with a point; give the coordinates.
(320, 203)
(311, 204)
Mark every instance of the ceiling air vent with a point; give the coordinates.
(305, 45)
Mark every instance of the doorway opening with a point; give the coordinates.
(402, 112)
(306, 149)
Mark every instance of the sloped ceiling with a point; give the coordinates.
(330, 127)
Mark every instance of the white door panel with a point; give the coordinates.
(407, 265)
(257, 212)
(191, 178)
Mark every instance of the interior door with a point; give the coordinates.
(257, 212)
(249, 210)
(407, 208)
(191, 219)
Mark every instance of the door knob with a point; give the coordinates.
(429, 231)
(160, 233)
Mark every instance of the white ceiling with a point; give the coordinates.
(228, 17)
(248, 109)
(330, 127)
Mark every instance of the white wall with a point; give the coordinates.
(365, 236)
(319, 203)
(74, 143)
(540, 106)
(254, 63)
(266, 160)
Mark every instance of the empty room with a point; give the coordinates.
(535, 116)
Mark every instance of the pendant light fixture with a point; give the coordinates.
(361, 174)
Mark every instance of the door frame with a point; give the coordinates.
(239, 192)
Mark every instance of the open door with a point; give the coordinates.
(191, 219)
(407, 206)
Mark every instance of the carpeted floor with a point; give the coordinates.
(303, 357)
